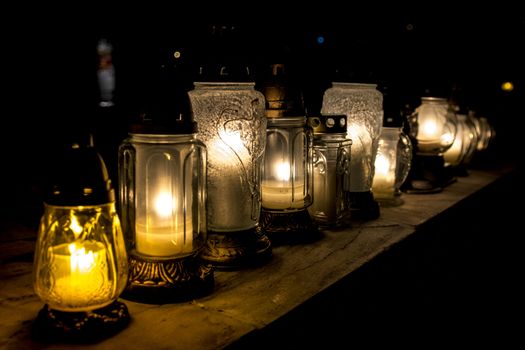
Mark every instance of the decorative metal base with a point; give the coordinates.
(234, 250)
(289, 227)
(159, 281)
(80, 327)
(363, 206)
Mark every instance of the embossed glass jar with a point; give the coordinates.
(232, 123)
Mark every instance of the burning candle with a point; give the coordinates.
(282, 193)
(80, 271)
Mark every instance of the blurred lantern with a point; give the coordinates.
(231, 115)
(433, 128)
(331, 205)
(287, 184)
(80, 264)
(463, 147)
(363, 106)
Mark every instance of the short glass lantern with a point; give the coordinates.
(463, 147)
(231, 115)
(80, 263)
(363, 106)
(162, 175)
(433, 127)
(392, 164)
(332, 154)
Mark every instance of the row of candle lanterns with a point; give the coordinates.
(189, 198)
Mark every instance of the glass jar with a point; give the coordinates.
(392, 165)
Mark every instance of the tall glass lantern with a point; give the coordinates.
(433, 126)
(287, 184)
(231, 115)
(80, 263)
(332, 149)
(162, 175)
(363, 106)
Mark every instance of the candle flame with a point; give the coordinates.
(75, 226)
(80, 261)
(283, 171)
(164, 205)
(382, 164)
(429, 128)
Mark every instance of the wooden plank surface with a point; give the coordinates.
(243, 301)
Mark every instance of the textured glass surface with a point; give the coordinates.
(162, 192)
(363, 106)
(232, 125)
(332, 157)
(433, 124)
(286, 176)
(80, 257)
(464, 144)
(392, 164)
(484, 131)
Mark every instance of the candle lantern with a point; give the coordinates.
(463, 147)
(162, 174)
(233, 127)
(363, 106)
(433, 127)
(332, 149)
(80, 263)
(392, 164)
(287, 184)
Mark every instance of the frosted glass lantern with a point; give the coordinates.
(162, 172)
(287, 184)
(80, 263)
(332, 154)
(233, 126)
(392, 165)
(363, 106)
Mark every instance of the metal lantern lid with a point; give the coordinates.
(79, 177)
(328, 123)
(283, 97)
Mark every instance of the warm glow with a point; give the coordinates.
(507, 86)
(176, 54)
(164, 205)
(382, 164)
(447, 138)
(75, 226)
(80, 261)
(228, 149)
(283, 171)
(429, 128)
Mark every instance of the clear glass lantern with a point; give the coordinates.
(287, 184)
(332, 158)
(162, 175)
(464, 144)
(363, 106)
(433, 127)
(233, 127)
(392, 165)
(80, 263)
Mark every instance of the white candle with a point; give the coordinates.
(164, 232)
(282, 193)
(80, 272)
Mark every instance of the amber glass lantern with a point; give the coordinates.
(463, 147)
(232, 121)
(162, 176)
(80, 264)
(363, 106)
(433, 126)
(287, 184)
(332, 154)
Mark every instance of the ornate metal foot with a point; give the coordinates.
(289, 227)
